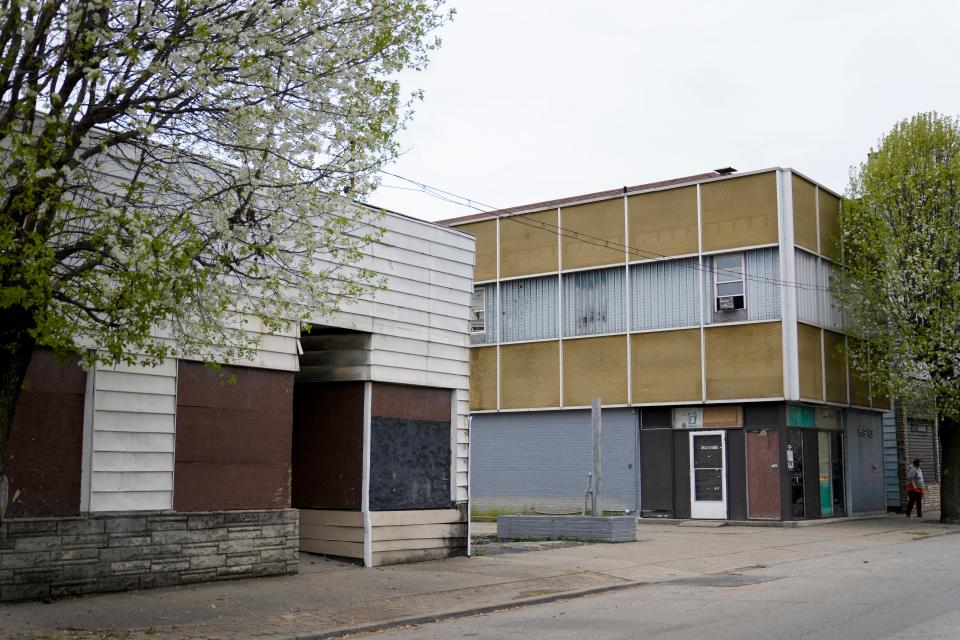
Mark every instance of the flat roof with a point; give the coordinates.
(710, 176)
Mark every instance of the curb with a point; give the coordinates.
(463, 613)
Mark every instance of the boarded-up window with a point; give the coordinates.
(46, 440)
(233, 439)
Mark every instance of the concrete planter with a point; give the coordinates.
(610, 529)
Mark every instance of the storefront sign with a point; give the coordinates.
(715, 417)
(723, 416)
(799, 416)
(688, 418)
(827, 419)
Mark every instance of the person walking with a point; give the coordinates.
(915, 488)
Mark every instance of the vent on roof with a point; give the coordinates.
(725, 171)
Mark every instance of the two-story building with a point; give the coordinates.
(698, 310)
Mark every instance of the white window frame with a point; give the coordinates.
(717, 283)
(478, 314)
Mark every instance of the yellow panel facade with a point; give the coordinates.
(744, 361)
(595, 367)
(829, 225)
(739, 212)
(483, 378)
(530, 375)
(804, 213)
(486, 261)
(859, 390)
(666, 366)
(836, 368)
(601, 221)
(663, 222)
(811, 364)
(528, 244)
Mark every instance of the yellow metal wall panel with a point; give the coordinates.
(530, 375)
(836, 368)
(486, 261)
(744, 361)
(483, 378)
(528, 244)
(811, 364)
(740, 212)
(829, 225)
(859, 390)
(666, 366)
(804, 213)
(602, 221)
(595, 367)
(663, 222)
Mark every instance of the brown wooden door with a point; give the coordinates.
(763, 474)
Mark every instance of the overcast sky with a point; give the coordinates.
(529, 100)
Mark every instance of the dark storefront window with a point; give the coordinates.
(836, 459)
(796, 474)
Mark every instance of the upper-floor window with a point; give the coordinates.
(478, 304)
(729, 282)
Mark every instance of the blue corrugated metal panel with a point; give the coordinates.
(891, 476)
(664, 294)
(763, 289)
(539, 460)
(594, 302)
(528, 308)
(809, 299)
(830, 312)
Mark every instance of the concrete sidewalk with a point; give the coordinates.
(332, 598)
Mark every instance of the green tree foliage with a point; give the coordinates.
(900, 287)
(173, 167)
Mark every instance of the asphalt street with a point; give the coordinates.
(909, 590)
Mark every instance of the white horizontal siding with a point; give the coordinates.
(130, 501)
(419, 320)
(132, 437)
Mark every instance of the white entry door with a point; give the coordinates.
(708, 477)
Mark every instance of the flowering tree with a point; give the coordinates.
(901, 285)
(171, 167)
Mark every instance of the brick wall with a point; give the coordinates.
(55, 557)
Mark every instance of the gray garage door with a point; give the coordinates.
(539, 461)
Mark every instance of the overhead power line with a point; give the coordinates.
(476, 205)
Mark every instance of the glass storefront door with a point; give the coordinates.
(795, 449)
(708, 478)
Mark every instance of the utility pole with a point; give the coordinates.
(595, 505)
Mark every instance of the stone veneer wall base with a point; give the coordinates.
(605, 529)
(44, 558)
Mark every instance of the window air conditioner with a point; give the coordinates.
(725, 303)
